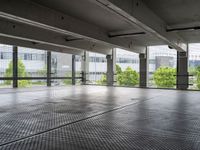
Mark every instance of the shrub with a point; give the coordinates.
(165, 77)
(129, 77)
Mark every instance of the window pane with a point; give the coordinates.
(61, 65)
(6, 61)
(6, 65)
(194, 66)
(97, 68)
(127, 68)
(162, 67)
(32, 62)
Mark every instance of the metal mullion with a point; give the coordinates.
(48, 68)
(15, 66)
(73, 69)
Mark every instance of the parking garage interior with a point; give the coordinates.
(99, 75)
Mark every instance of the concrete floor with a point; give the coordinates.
(98, 118)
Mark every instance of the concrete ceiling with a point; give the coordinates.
(179, 14)
(89, 12)
(100, 25)
(175, 12)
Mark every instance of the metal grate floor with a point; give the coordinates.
(89, 117)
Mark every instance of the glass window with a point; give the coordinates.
(97, 68)
(127, 68)
(61, 66)
(194, 66)
(30, 66)
(162, 67)
(6, 65)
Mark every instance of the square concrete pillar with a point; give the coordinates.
(182, 71)
(73, 69)
(143, 70)
(48, 68)
(85, 67)
(110, 68)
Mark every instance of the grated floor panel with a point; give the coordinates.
(99, 118)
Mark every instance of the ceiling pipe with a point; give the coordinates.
(126, 34)
(73, 39)
(183, 29)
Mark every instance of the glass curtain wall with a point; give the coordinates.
(97, 68)
(32, 67)
(61, 66)
(162, 67)
(194, 66)
(6, 65)
(127, 68)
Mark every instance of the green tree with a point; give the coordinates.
(21, 73)
(197, 75)
(165, 77)
(118, 69)
(197, 69)
(198, 80)
(103, 80)
(129, 77)
(68, 81)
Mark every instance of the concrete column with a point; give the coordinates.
(110, 68)
(143, 70)
(182, 71)
(85, 67)
(15, 66)
(114, 58)
(73, 69)
(48, 68)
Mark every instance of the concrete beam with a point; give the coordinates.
(48, 19)
(37, 35)
(28, 44)
(137, 13)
